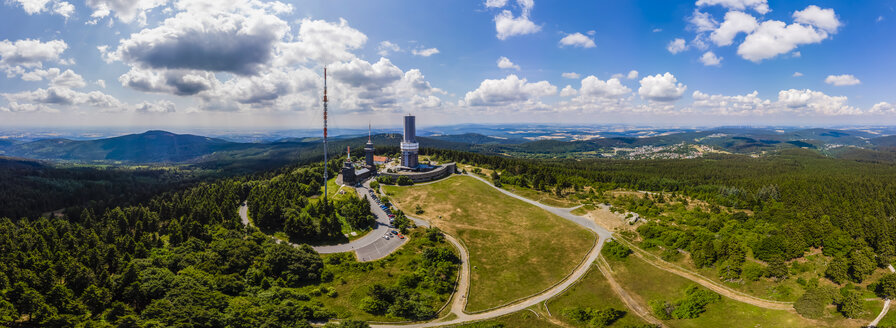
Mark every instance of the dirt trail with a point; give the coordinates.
(712, 285)
(624, 295)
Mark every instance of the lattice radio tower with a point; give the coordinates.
(325, 134)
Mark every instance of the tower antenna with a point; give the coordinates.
(325, 134)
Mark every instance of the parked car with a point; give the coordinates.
(400, 236)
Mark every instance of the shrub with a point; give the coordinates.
(404, 181)
(812, 303)
(615, 250)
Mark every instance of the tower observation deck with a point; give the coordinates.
(409, 145)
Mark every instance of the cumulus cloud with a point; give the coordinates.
(661, 88)
(577, 40)
(32, 7)
(30, 53)
(221, 43)
(749, 103)
(507, 25)
(177, 82)
(824, 19)
(594, 87)
(676, 46)
(571, 75)
(125, 10)
(386, 47)
(425, 52)
(633, 74)
(735, 23)
(774, 38)
(760, 6)
(842, 80)
(323, 42)
(703, 22)
(42, 99)
(568, 91)
(56, 76)
(508, 91)
(815, 102)
(883, 108)
(710, 59)
(505, 63)
(495, 3)
(797, 74)
(161, 106)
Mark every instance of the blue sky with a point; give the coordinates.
(258, 64)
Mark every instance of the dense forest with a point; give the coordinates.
(183, 259)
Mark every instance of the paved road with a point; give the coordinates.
(580, 271)
(368, 248)
(883, 312)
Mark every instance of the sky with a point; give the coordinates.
(259, 64)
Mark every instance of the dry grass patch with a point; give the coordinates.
(516, 249)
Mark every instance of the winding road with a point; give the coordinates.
(458, 302)
(883, 312)
(370, 247)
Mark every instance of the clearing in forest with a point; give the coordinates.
(516, 249)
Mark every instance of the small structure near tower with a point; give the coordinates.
(349, 175)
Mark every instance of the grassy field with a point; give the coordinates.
(541, 197)
(524, 318)
(516, 249)
(889, 321)
(647, 283)
(352, 281)
(594, 292)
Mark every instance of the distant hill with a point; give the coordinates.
(151, 146)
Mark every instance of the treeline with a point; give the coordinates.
(182, 260)
(288, 202)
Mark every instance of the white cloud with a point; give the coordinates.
(323, 42)
(226, 42)
(735, 23)
(815, 102)
(571, 75)
(883, 108)
(507, 26)
(495, 3)
(773, 38)
(29, 53)
(732, 105)
(703, 22)
(656, 30)
(386, 47)
(676, 46)
(710, 59)
(32, 7)
(568, 91)
(68, 79)
(760, 6)
(505, 63)
(162, 106)
(101, 83)
(577, 40)
(842, 80)
(125, 10)
(661, 87)
(824, 19)
(797, 74)
(176, 82)
(43, 99)
(508, 91)
(425, 52)
(633, 74)
(594, 87)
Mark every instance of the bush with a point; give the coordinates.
(606, 317)
(385, 179)
(694, 303)
(812, 303)
(615, 250)
(375, 185)
(752, 271)
(661, 309)
(404, 181)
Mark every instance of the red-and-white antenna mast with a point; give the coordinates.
(325, 133)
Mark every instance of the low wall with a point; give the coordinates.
(442, 171)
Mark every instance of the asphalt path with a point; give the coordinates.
(580, 271)
(370, 247)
